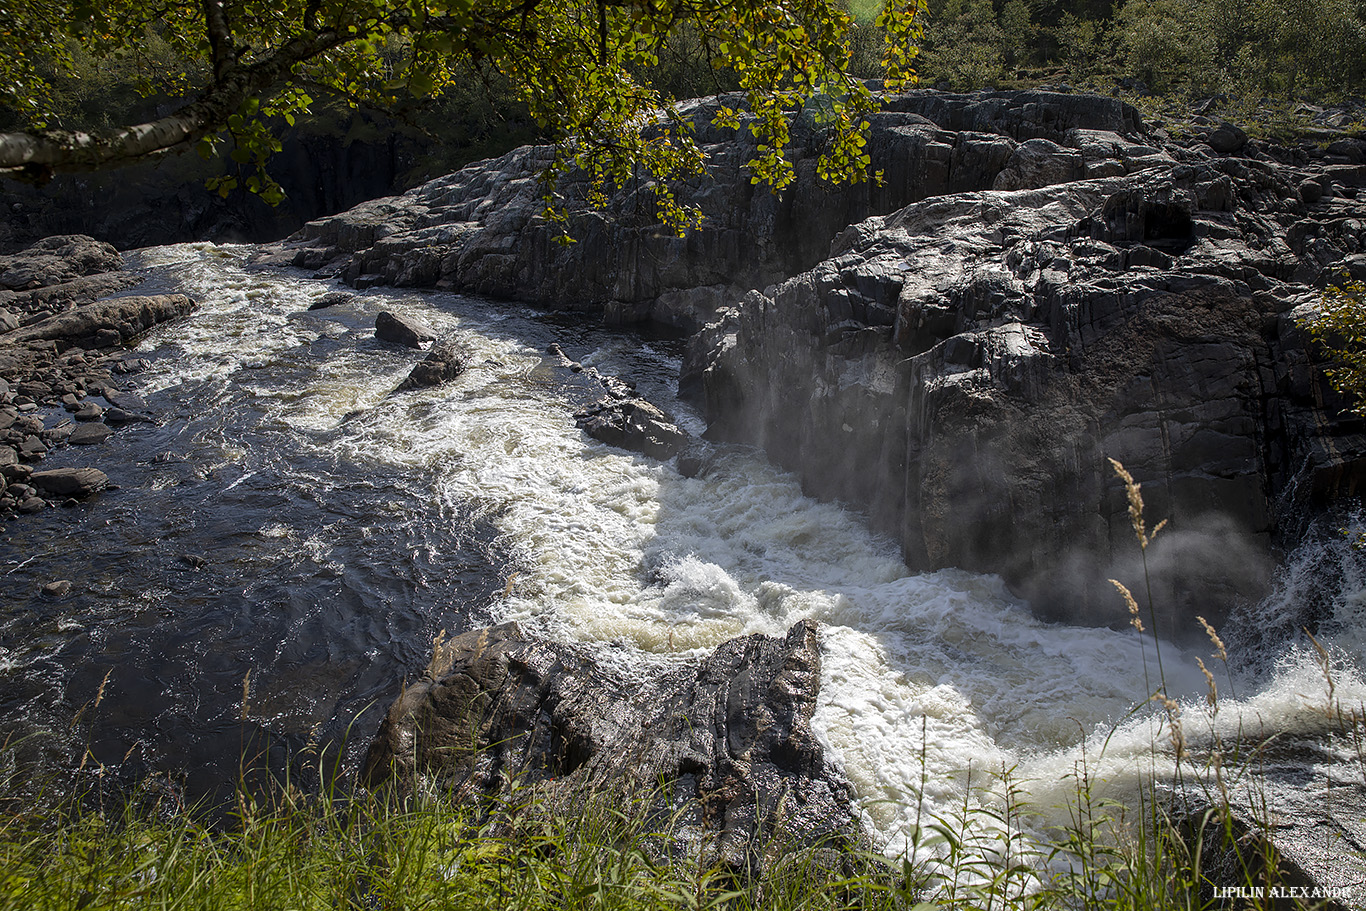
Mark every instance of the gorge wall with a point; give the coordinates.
(1035, 286)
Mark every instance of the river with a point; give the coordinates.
(292, 531)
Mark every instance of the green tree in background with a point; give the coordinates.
(238, 69)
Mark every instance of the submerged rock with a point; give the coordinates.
(441, 365)
(724, 746)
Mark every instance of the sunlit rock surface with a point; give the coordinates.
(481, 229)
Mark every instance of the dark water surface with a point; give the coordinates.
(242, 541)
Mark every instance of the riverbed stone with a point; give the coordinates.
(70, 482)
(88, 434)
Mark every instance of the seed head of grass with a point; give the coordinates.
(1174, 731)
(1135, 496)
(443, 657)
(1219, 651)
(1213, 697)
(1129, 601)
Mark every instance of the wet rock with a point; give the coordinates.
(57, 588)
(90, 434)
(70, 482)
(88, 412)
(633, 424)
(31, 504)
(610, 410)
(726, 744)
(122, 416)
(441, 365)
(331, 299)
(1298, 823)
(400, 330)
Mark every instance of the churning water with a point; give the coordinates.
(293, 518)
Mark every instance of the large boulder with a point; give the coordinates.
(400, 330)
(57, 260)
(724, 747)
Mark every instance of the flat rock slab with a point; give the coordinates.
(105, 323)
(70, 482)
(89, 434)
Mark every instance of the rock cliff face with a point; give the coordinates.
(963, 368)
(1035, 285)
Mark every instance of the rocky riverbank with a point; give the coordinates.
(63, 347)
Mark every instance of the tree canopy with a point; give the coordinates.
(246, 67)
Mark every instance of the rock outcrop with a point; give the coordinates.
(481, 229)
(724, 747)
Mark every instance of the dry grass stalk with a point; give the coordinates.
(1129, 601)
(1135, 495)
(443, 657)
